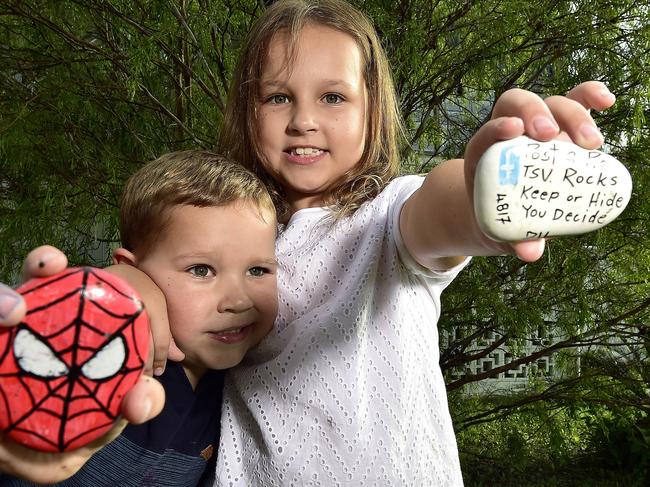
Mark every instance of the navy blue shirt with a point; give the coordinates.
(177, 448)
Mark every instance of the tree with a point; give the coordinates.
(89, 90)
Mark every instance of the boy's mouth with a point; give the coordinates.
(234, 331)
(232, 335)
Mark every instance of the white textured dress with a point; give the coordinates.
(346, 390)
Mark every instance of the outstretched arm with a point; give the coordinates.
(438, 224)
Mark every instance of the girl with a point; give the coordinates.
(347, 389)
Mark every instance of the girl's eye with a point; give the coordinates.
(258, 271)
(333, 99)
(201, 270)
(278, 99)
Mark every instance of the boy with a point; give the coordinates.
(203, 229)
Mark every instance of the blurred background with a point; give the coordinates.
(547, 364)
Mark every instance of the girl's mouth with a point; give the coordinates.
(304, 155)
(305, 151)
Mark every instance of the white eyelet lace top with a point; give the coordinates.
(346, 390)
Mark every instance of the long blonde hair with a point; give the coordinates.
(239, 138)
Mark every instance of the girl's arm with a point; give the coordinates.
(437, 222)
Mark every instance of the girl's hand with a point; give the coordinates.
(142, 403)
(519, 112)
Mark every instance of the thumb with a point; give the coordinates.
(12, 306)
(144, 401)
(529, 250)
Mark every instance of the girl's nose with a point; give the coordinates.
(234, 297)
(303, 120)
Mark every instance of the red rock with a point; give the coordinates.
(65, 369)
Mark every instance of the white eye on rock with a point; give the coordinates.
(36, 357)
(107, 361)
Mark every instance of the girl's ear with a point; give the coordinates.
(123, 256)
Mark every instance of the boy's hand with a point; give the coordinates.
(143, 402)
(162, 345)
(41, 467)
(40, 262)
(519, 112)
(47, 260)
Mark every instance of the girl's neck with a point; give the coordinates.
(308, 201)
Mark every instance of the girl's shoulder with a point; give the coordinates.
(389, 201)
(407, 180)
(399, 189)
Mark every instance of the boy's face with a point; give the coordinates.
(216, 267)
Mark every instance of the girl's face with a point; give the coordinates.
(312, 114)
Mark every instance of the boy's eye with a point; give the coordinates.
(257, 271)
(278, 99)
(200, 270)
(332, 98)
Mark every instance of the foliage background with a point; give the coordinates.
(89, 90)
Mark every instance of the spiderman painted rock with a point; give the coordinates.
(65, 369)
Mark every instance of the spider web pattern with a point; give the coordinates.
(76, 314)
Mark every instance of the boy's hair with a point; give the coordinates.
(198, 178)
(239, 137)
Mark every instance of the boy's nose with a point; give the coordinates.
(234, 297)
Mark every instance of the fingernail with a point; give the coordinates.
(606, 93)
(545, 124)
(8, 302)
(591, 133)
(147, 406)
(158, 371)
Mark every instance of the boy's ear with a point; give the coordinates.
(123, 256)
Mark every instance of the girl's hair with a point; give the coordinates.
(197, 178)
(239, 138)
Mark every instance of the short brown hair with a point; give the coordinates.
(239, 137)
(198, 178)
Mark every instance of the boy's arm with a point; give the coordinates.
(437, 222)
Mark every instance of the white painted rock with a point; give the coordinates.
(526, 189)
